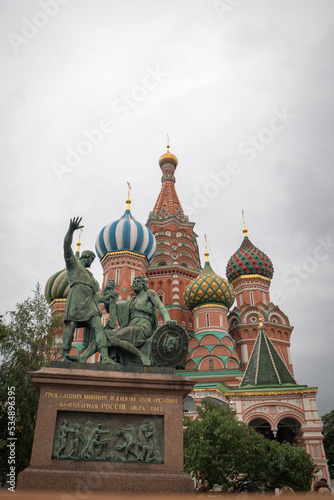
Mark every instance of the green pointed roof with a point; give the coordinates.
(266, 367)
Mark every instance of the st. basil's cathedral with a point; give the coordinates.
(238, 356)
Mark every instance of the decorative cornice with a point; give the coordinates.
(124, 252)
(258, 392)
(215, 389)
(210, 306)
(247, 276)
(151, 222)
(172, 269)
(56, 301)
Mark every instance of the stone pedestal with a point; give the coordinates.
(108, 429)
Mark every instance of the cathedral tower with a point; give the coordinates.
(211, 349)
(176, 261)
(250, 271)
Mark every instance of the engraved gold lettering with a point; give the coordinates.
(57, 395)
(145, 399)
(126, 398)
(107, 406)
(137, 408)
(157, 408)
(164, 400)
(95, 396)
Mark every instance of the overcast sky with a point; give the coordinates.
(89, 91)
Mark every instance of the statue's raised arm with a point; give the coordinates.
(74, 225)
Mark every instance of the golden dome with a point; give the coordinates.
(168, 158)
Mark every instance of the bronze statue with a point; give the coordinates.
(137, 322)
(82, 303)
(109, 300)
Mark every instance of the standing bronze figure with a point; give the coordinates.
(82, 308)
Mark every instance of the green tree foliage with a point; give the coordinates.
(328, 432)
(27, 342)
(288, 465)
(223, 451)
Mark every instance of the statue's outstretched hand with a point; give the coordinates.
(75, 224)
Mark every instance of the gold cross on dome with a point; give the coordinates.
(129, 188)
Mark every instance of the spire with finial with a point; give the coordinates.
(77, 253)
(245, 230)
(260, 318)
(128, 200)
(168, 203)
(168, 157)
(206, 253)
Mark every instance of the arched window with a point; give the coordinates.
(262, 427)
(207, 320)
(288, 430)
(251, 298)
(211, 368)
(188, 405)
(117, 277)
(133, 275)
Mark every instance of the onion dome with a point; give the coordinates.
(248, 259)
(168, 158)
(124, 234)
(208, 288)
(57, 286)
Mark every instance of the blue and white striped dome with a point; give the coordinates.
(126, 234)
